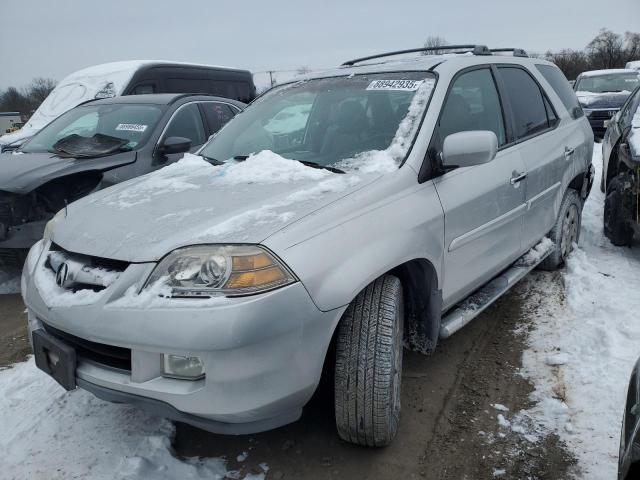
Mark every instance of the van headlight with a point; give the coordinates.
(210, 270)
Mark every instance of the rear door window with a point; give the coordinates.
(217, 114)
(563, 89)
(526, 100)
(187, 123)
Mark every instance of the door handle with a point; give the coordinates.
(517, 178)
(568, 151)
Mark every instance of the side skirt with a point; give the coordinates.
(476, 303)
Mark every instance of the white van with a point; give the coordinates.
(130, 78)
(635, 65)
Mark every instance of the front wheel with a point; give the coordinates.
(566, 230)
(368, 369)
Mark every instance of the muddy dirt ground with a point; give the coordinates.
(448, 429)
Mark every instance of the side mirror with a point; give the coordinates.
(174, 145)
(466, 149)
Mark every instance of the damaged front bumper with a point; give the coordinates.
(263, 355)
(21, 236)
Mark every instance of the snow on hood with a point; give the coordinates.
(194, 202)
(602, 100)
(99, 81)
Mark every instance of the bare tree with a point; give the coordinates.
(435, 41)
(26, 99)
(571, 62)
(39, 89)
(607, 49)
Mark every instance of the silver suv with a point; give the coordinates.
(380, 204)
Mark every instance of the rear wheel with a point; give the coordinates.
(368, 370)
(619, 210)
(566, 231)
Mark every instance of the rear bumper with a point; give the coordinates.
(597, 118)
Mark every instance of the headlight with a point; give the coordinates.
(209, 270)
(48, 228)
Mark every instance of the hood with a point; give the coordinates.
(22, 172)
(602, 100)
(193, 202)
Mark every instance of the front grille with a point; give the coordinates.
(102, 354)
(84, 271)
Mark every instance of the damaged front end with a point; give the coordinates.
(23, 216)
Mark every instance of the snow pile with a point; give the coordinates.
(53, 434)
(536, 254)
(269, 167)
(158, 295)
(585, 343)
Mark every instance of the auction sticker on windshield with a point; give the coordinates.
(131, 127)
(403, 85)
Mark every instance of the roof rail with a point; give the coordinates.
(475, 49)
(517, 52)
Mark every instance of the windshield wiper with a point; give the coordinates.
(212, 160)
(317, 165)
(241, 158)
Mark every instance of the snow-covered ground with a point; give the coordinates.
(585, 342)
(49, 434)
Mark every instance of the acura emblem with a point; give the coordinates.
(61, 274)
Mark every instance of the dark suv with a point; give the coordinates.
(602, 93)
(93, 146)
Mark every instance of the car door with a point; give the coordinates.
(185, 122)
(484, 204)
(546, 145)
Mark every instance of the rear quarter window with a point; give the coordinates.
(563, 89)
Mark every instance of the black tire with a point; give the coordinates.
(566, 230)
(368, 370)
(619, 210)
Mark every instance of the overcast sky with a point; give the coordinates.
(53, 38)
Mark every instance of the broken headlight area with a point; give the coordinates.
(45, 201)
(220, 270)
(14, 210)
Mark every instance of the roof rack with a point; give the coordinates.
(475, 49)
(517, 52)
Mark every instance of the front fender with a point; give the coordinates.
(336, 264)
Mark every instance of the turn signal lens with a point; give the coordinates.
(251, 262)
(257, 278)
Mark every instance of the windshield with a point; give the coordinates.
(620, 82)
(327, 120)
(130, 123)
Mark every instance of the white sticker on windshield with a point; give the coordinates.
(131, 127)
(403, 85)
